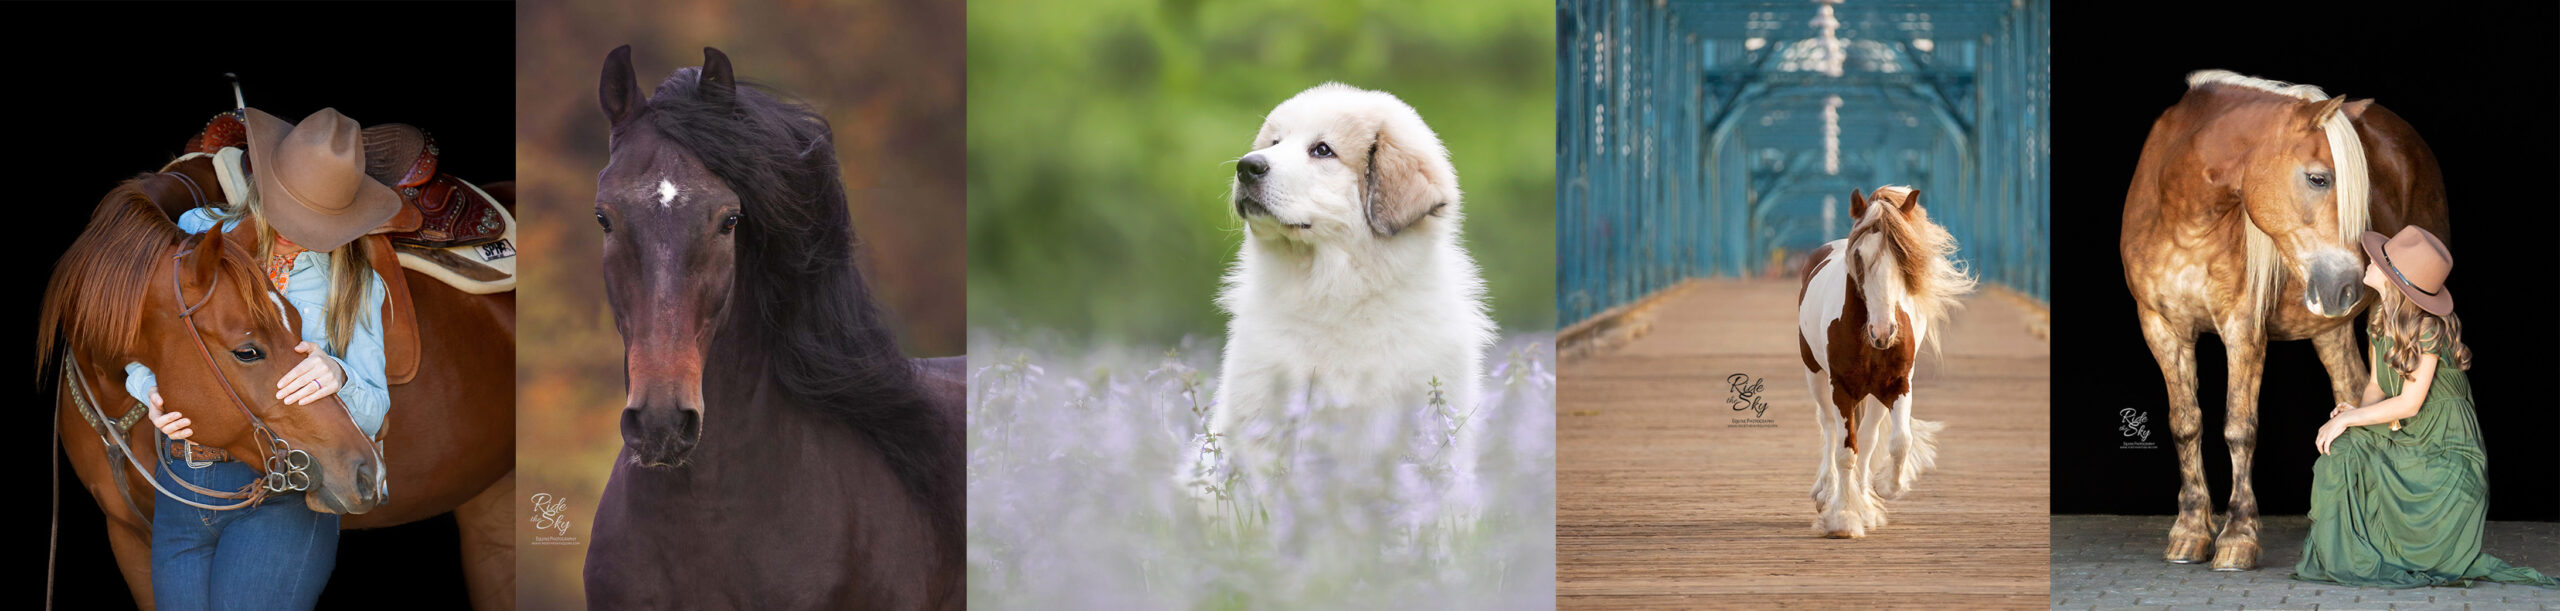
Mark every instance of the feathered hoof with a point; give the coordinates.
(1843, 534)
(2188, 549)
(2236, 556)
(1839, 525)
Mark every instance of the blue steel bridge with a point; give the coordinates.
(1721, 138)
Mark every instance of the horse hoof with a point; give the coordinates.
(2236, 556)
(1842, 534)
(2188, 551)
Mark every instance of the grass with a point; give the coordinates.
(1095, 482)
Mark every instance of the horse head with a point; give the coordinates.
(670, 252)
(2305, 187)
(199, 312)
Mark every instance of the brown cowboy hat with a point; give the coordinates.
(311, 179)
(2417, 263)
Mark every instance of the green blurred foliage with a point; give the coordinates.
(1102, 135)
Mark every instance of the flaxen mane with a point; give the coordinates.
(93, 304)
(801, 304)
(2354, 179)
(1931, 274)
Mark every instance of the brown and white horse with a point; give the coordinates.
(1867, 304)
(2241, 222)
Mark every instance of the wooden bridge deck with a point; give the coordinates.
(1662, 501)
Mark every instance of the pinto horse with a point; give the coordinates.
(1867, 304)
(197, 310)
(779, 451)
(2242, 222)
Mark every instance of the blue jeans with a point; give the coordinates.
(273, 556)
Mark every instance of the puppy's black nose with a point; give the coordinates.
(1252, 167)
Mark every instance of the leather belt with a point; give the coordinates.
(178, 451)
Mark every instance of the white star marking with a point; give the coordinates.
(666, 192)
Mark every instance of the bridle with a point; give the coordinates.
(287, 469)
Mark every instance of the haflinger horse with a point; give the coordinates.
(1868, 303)
(779, 451)
(199, 312)
(2242, 222)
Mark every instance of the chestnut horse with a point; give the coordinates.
(2242, 222)
(116, 297)
(1867, 304)
(779, 451)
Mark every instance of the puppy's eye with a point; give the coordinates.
(729, 224)
(2319, 180)
(601, 221)
(248, 353)
(1321, 151)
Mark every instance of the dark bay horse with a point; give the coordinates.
(779, 451)
(115, 297)
(2241, 222)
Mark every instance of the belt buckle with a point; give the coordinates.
(192, 463)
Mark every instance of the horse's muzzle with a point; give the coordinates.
(659, 435)
(2335, 287)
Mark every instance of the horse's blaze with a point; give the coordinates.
(1858, 371)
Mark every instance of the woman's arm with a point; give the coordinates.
(2412, 395)
(145, 387)
(367, 392)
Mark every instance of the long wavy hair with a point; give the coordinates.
(350, 269)
(799, 300)
(2414, 332)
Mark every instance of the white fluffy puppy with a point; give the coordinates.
(1351, 289)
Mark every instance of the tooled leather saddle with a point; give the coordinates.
(438, 210)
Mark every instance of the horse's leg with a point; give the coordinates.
(2345, 360)
(1872, 425)
(1826, 476)
(2191, 537)
(2237, 548)
(488, 545)
(1839, 518)
(132, 545)
(1911, 452)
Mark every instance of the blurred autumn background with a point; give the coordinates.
(888, 75)
(1103, 133)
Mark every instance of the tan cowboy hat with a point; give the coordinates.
(311, 179)
(2417, 263)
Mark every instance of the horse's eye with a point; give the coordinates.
(729, 224)
(2319, 180)
(1321, 151)
(606, 223)
(248, 354)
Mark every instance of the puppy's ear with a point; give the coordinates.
(1409, 179)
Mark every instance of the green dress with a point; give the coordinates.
(2404, 509)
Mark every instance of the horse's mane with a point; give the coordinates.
(829, 345)
(2354, 185)
(1931, 274)
(93, 304)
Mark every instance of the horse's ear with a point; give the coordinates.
(1857, 205)
(2355, 109)
(1911, 204)
(2320, 112)
(619, 92)
(208, 253)
(719, 83)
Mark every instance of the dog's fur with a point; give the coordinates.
(1351, 289)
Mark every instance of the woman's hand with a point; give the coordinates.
(2329, 431)
(2340, 409)
(317, 376)
(173, 424)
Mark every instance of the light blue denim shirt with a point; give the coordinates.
(307, 288)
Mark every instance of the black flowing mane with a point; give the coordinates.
(828, 345)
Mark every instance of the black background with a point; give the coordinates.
(100, 92)
(2479, 84)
